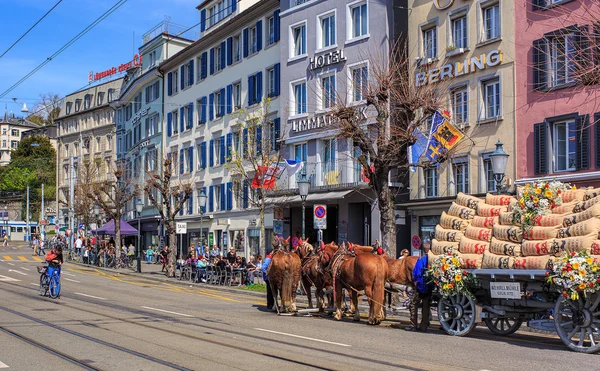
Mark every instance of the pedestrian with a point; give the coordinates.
(420, 296)
(231, 257)
(149, 254)
(5, 243)
(78, 245)
(206, 253)
(35, 246)
(264, 268)
(164, 255)
(42, 246)
(215, 252)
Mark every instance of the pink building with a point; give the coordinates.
(557, 137)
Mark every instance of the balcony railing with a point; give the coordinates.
(328, 174)
(170, 28)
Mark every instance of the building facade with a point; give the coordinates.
(86, 134)
(557, 88)
(327, 52)
(226, 75)
(48, 131)
(139, 116)
(467, 50)
(11, 133)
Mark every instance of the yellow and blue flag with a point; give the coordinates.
(442, 137)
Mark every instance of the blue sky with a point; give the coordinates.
(108, 44)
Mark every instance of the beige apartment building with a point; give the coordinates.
(86, 132)
(465, 48)
(11, 131)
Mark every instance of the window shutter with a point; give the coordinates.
(539, 64)
(230, 50)
(203, 63)
(222, 151)
(229, 145)
(234, 5)
(211, 199)
(259, 84)
(245, 42)
(277, 126)
(181, 208)
(259, 140)
(212, 61)
(182, 76)
(181, 161)
(203, 155)
(190, 123)
(245, 144)
(259, 32)
(229, 98)
(191, 155)
(181, 119)
(211, 153)
(276, 70)
(190, 205)
(540, 155)
(582, 52)
(276, 24)
(191, 72)
(223, 54)
(203, 110)
(250, 90)
(245, 196)
(597, 139)
(229, 196)
(223, 200)
(204, 207)
(211, 103)
(222, 102)
(170, 84)
(539, 4)
(582, 126)
(203, 20)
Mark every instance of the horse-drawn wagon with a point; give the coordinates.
(534, 258)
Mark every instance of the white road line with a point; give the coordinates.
(8, 279)
(10, 264)
(89, 296)
(35, 284)
(167, 311)
(68, 279)
(69, 274)
(25, 268)
(3, 365)
(18, 272)
(303, 337)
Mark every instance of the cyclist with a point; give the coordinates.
(55, 260)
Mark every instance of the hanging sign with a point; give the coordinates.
(181, 227)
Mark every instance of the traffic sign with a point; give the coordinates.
(320, 216)
(181, 228)
(44, 222)
(415, 241)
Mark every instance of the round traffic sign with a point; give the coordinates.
(415, 241)
(320, 212)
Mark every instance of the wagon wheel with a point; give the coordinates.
(503, 326)
(578, 322)
(456, 314)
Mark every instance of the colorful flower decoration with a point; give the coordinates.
(576, 273)
(538, 199)
(448, 274)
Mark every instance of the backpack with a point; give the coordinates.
(419, 276)
(51, 255)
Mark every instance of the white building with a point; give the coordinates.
(11, 128)
(234, 66)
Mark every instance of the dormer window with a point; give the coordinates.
(69, 107)
(110, 94)
(87, 101)
(77, 105)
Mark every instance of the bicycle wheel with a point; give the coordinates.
(54, 287)
(130, 262)
(43, 284)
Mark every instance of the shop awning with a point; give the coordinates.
(312, 197)
(125, 229)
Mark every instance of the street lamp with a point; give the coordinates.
(139, 205)
(71, 227)
(6, 220)
(97, 213)
(499, 159)
(303, 185)
(202, 204)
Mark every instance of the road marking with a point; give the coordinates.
(69, 274)
(68, 279)
(303, 337)
(19, 272)
(167, 311)
(89, 296)
(8, 279)
(22, 258)
(10, 264)
(25, 268)
(3, 365)
(6, 257)
(37, 258)
(34, 284)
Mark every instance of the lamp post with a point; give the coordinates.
(201, 204)
(6, 220)
(97, 213)
(303, 185)
(139, 205)
(499, 159)
(71, 227)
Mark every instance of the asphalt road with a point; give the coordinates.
(110, 321)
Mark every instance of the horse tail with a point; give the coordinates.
(379, 290)
(286, 289)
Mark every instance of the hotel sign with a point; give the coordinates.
(309, 123)
(324, 60)
(137, 61)
(452, 70)
(139, 115)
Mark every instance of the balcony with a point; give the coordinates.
(169, 28)
(343, 173)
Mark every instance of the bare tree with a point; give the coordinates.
(85, 197)
(46, 110)
(168, 196)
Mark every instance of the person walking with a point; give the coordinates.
(35, 246)
(5, 243)
(264, 268)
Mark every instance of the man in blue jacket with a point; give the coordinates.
(265, 266)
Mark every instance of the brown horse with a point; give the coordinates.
(314, 275)
(284, 274)
(356, 272)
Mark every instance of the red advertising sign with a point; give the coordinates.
(137, 61)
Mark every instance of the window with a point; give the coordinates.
(174, 80)
(77, 105)
(219, 11)
(491, 22)
(459, 32)
(460, 105)
(100, 98)
(253, 40)
(219, 109)
(299, 103)
(359, 20)
(301, 153)
(298, 40)
(68, 107)
(564, 146)
(152, 92)
(14, 132)
(460, 167)
(111, 93)
(330, 146)
(271, 82)
(14, 144)
(151, 59)
(236, 47)
(218, 197)
(186, 161)
(360, 76)
(137, 103)
(4, 143)
(128, 112)
(431, 182)
(327, 29)
(430, 43)
(237, 143)
(561, 61)
(271, 31)
(175, 122)
(218, 52)
(491, 98)
(327, 91)
(488, 172)
(87, 101)
(151, 126)
(237, 96)
(217, 149)
(298, 2)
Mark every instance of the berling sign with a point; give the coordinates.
(327, 59)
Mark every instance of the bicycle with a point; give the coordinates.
(49, 285)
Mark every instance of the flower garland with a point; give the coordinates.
(576, 273)
(536, 200)
(448, 275)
